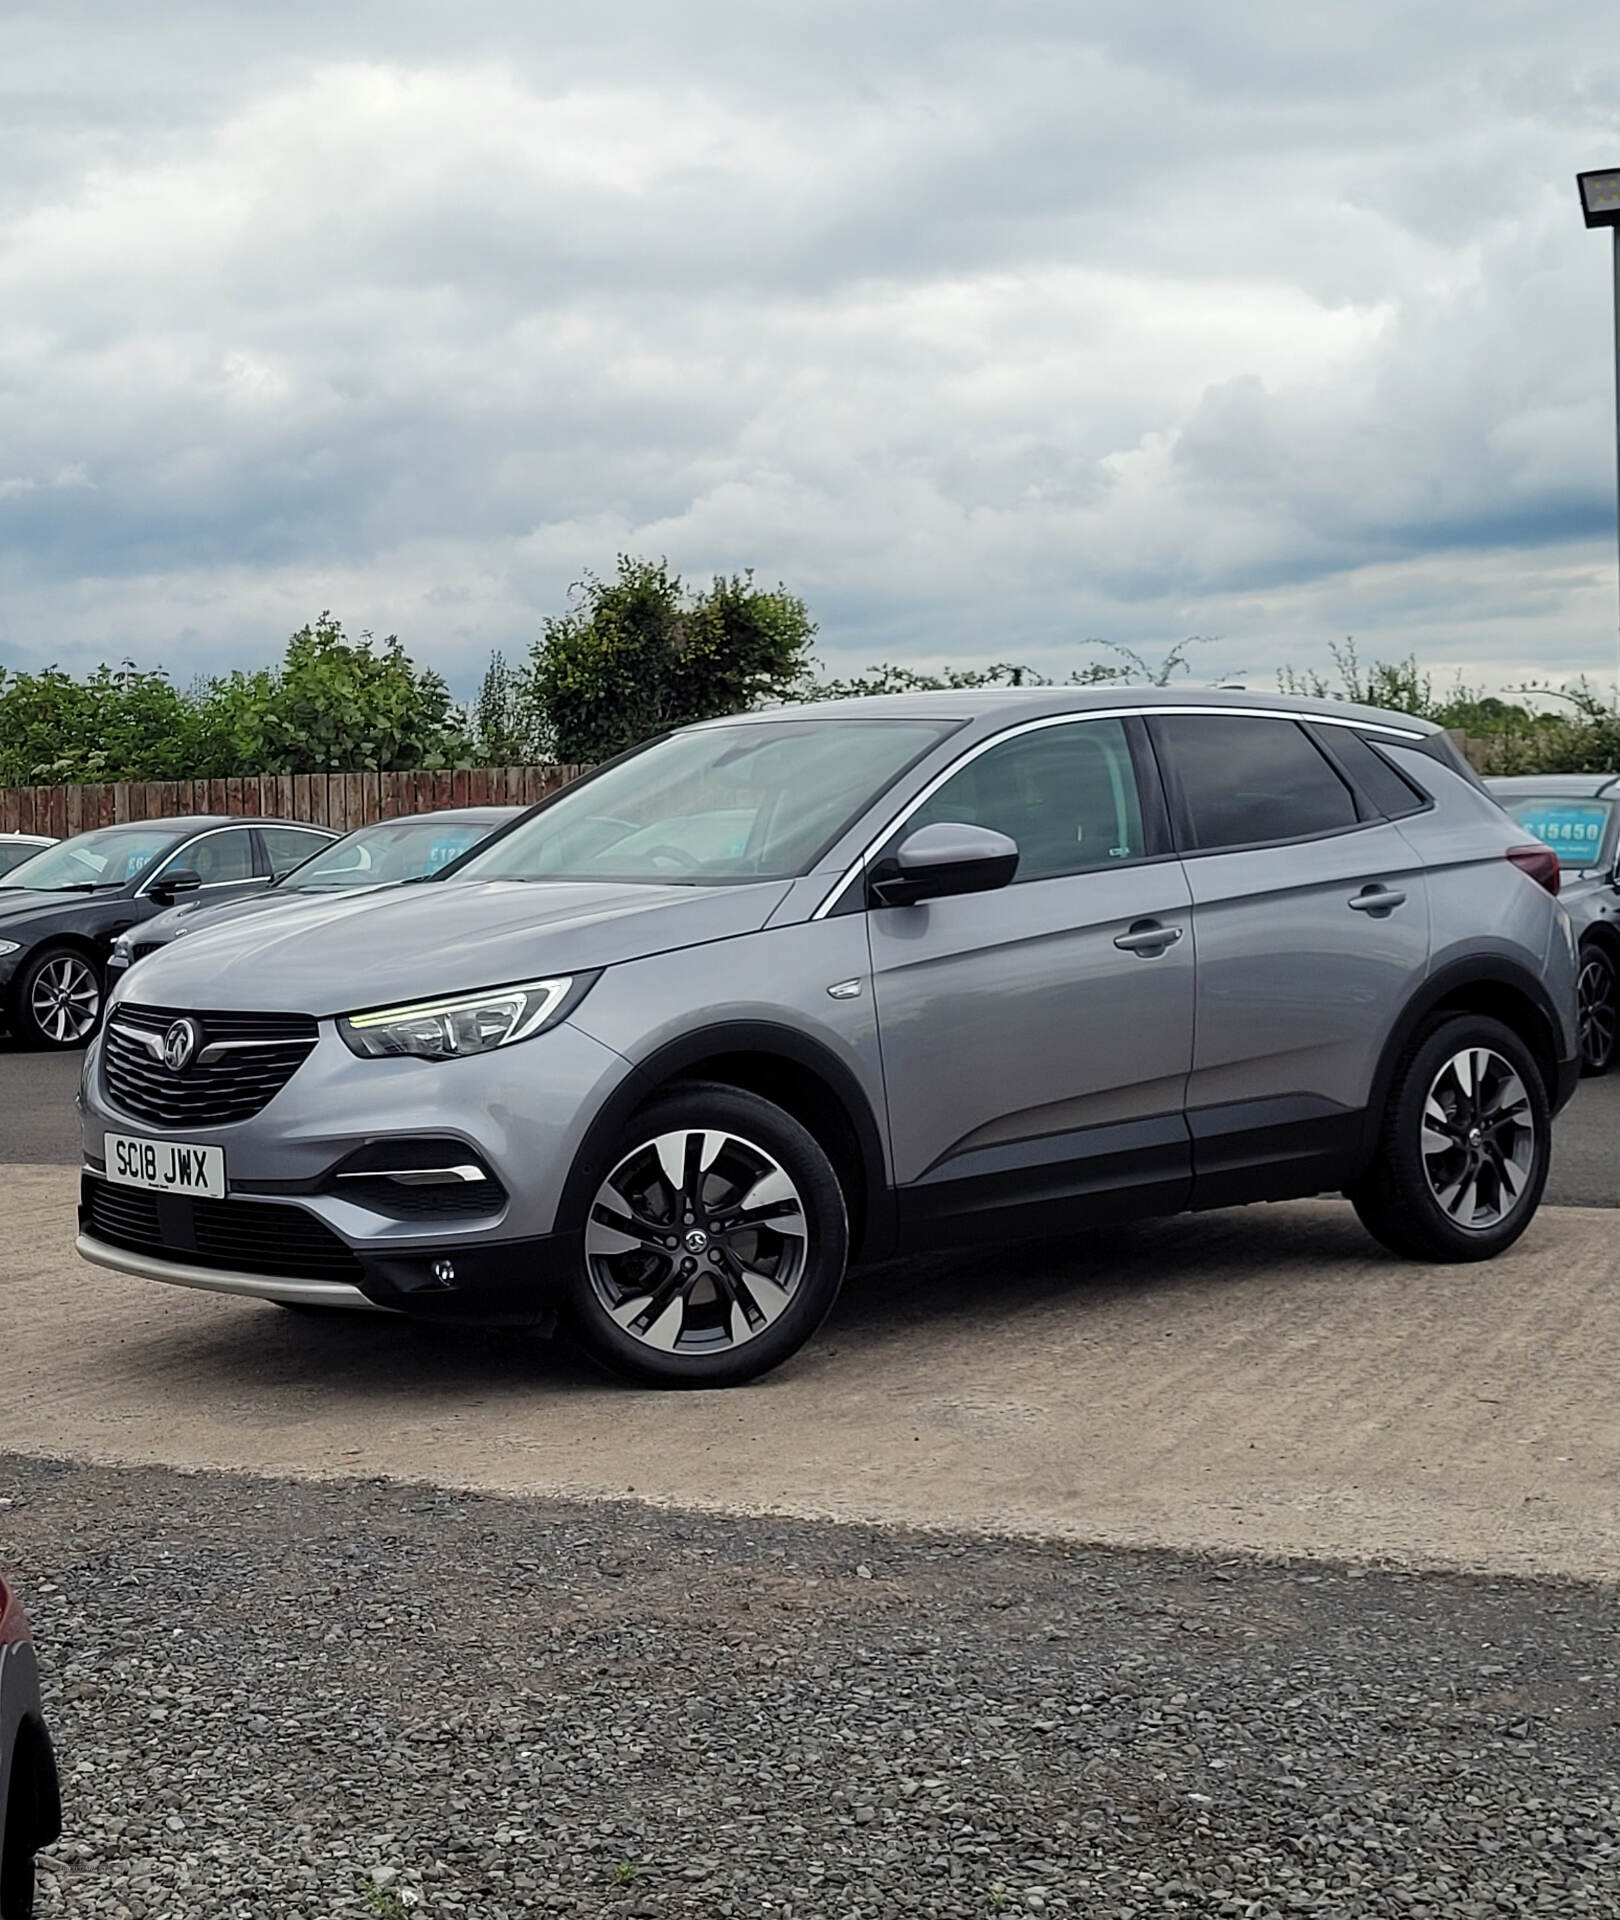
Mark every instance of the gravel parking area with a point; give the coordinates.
(275, 1698)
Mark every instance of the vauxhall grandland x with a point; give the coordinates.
(778, 991)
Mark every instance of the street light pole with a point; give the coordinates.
(1600, 203)
(1614, 235)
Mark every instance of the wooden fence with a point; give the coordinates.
(337, 800)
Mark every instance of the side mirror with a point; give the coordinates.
(182, 880)
(946, 858)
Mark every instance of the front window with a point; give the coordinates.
(1576, 830)
(389, 851)
(1066, 794)
(757, 800)
(107, 857)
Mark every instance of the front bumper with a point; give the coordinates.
(523, 1112)
(517, 1283)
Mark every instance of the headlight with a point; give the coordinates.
(467, 1023)
(10, 946)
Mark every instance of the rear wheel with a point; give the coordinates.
(1465, 1145)
(1600, 1009)
(56, 1001)
(715, 1244)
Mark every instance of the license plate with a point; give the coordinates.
(165, 1166)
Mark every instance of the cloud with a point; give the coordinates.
(988, 330)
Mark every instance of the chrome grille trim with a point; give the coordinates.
(244, 1062)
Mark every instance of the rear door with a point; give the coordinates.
(1311, 923)
(1036, 1041)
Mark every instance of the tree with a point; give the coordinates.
(118, 723)
(637, 654)
(504, 727)
(334, 705)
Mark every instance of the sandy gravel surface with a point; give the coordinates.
(1261, 1379)
(299, 1700)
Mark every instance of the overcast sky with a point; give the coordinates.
(988, 327)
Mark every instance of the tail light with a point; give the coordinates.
(1540, 862)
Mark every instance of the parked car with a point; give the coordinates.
(61, 910)
(1574, 813)
(863, 976)
(386, 853)
(30, 1801)
(15, 848)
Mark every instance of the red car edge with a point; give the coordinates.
(30, 1799)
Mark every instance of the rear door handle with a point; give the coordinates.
(1147, 936)
(1377, 899)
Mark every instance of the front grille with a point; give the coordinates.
(142, 948)
(244, 1236)
(234, 1087)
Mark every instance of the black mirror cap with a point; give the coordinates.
(949, 857)
(182, 880)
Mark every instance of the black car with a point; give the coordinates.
(61, 911)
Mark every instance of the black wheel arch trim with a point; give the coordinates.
(1485, 970)
(872, 1236)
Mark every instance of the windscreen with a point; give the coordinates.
(1576, 830)
(108, 857)
(754, 801)
(392, 850)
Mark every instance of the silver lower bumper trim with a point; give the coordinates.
(250, 1286)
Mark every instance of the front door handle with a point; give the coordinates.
(1147, 936)
(1377, 899)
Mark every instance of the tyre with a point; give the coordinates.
(1466, 1142)
(57, 999)
(715, 1243)
(1600, 1008)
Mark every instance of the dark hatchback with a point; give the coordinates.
(61, 911)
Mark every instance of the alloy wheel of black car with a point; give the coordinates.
(57, 1000)
(1600, 1009)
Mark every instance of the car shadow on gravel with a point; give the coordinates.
(362, 1356)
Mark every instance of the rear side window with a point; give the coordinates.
(1243, 782)
(1390, 792)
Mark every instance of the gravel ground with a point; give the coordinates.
(294, 1700)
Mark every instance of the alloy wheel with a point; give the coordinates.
(65, 1000)
(1598, 1013)
(697, 1242)
(1479, 1138)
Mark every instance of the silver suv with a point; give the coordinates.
(851, 979)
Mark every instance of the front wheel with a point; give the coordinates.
(715, 1244)
(1465, 1147)
(1600, 1009)
(57, 1000)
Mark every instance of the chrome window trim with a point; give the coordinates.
(1080, 717)
(196, 840)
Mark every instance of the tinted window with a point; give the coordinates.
(1390, 792)
(216, 858)
(287, 847)
(1067, 795)
(1244, 782)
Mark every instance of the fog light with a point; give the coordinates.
(444, 1271)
